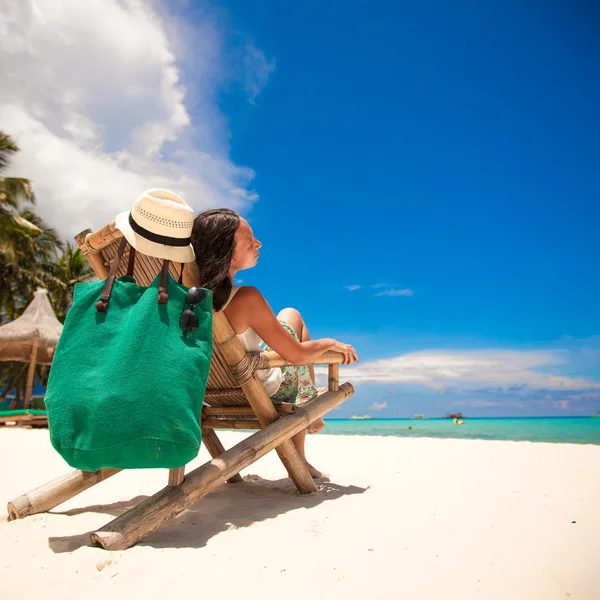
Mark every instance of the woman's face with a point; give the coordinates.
(245, 254)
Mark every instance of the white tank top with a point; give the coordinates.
(251, 342)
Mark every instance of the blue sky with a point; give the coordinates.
(424, 176)
(447, 149)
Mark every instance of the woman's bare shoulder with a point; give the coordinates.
(245, 308)
(247, 299)
(247, 293)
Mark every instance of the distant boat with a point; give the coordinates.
(457, 415)
(361, 417)
(419, 416)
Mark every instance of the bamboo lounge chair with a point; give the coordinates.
(234, 398)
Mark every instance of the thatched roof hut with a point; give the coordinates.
(31, 338)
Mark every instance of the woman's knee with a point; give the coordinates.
(290, 314)
(293, 318)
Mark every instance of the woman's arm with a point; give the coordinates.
(250, 309)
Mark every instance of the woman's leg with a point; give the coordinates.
(294, 319)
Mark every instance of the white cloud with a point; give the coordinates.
(92, 93)
(378, 406)
(405, 292)
(561, 404)
(465, 370)
(353, 288)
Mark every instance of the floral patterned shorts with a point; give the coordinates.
(296, 387)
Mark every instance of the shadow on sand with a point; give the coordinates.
(230, 506)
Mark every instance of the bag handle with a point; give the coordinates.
(131, 263)
(102, 304)
(163, 295)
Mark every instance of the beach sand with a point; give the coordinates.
(400, 518)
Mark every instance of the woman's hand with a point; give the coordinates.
(350, 355)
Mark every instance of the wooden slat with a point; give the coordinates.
(219, 396)
(210, 411)
(212, 423)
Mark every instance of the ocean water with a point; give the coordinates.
(572, 430)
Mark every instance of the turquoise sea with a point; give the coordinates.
(572, 430)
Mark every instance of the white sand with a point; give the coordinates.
(418, 518)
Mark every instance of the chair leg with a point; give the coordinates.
(215, 448)
(53, 493)
(296, 467)
(290, 457)
(176, 476)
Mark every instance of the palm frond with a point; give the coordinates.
(7, 147)
(14, 191)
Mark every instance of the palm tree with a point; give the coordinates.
(7, 147)
(29, 258)
(36, 266)
(27, 246)
(15, 194)
(72, 268)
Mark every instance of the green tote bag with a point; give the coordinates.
(127, 382)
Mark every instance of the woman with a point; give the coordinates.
(224, 244)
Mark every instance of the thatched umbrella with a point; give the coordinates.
(31, 338)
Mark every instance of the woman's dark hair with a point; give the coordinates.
(213, 239)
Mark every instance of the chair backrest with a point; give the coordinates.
(99, 248)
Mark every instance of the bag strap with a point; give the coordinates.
(180, 282)
(131, 263)
(163, 295)
(102, 304)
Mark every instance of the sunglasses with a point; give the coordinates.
(188, 321)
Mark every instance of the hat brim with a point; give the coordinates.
(182, 254)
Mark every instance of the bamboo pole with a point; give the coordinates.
(16, 400)
(138, 522)
(215, 448)
(176, 476)
(103, 237)
(327, 358)
(94, 257)
(55, 492)
(334, 378)
(234, 355)
(31, 371)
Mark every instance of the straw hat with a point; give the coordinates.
(159, 224)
